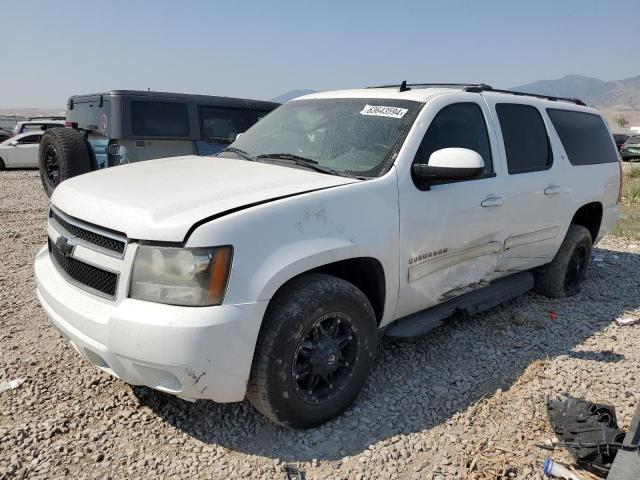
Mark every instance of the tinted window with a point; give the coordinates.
(584, 137)
(222, 125)
(29, 139)
(633, 140)
(32, 127)
(459, 125)
(525, 138)
(159, 119)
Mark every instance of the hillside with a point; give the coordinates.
(616, 94)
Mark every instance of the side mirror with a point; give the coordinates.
(13, 143)
(449, 164)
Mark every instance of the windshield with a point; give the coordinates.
(349, 136)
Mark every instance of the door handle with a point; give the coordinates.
(553, 190)
(492, 201)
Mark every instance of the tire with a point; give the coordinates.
(2, 165)
(291, 341)
(64, 153)
(563, 277)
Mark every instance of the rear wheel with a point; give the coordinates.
(563, 277)
(314, 353)
(64, 153)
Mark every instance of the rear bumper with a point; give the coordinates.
(192, 352)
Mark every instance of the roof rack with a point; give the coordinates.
(47, 117)
(479, 88)
(404, 86)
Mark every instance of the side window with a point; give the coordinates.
(222, 125)
(458, 125)
(29, 139)
(159, 119)
(32, 127)
(525, 138)
(584, 137)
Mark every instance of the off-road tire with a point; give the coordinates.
(551, 280)
(272, 389)
(72, 152)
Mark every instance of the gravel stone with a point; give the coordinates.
(466, 401)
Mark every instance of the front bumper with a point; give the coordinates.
(192, 352)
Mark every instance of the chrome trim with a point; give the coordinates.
(91, 246)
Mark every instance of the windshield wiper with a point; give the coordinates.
(287, 156)
(298, 160)
(240, 152)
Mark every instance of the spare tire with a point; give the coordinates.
(64, 153)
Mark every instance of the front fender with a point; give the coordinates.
(275, 241)
(299, 257)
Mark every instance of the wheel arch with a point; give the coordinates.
(589, 216)
(365, 272)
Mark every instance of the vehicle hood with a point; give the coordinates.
(162, 199)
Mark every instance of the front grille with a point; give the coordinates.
(84, 275)
(88, 236)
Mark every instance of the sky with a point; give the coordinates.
(261, 49)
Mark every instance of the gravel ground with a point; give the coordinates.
(467, 401)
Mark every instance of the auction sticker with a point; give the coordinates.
(382, 111)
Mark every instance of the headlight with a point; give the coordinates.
(180, 276)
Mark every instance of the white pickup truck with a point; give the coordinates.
(269, 270)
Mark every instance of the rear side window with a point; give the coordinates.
(525, 138)
(30, 139)
(32, 127)
(458, 125)
(584, 136)
(222, 125)
(159, 119)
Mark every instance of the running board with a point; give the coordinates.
(495, 293)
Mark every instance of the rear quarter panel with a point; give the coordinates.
(587, 183)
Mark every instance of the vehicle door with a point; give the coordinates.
(26, 151)
(536, 190)
(450, 233)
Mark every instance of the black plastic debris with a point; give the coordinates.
(627, 463)
(293, 473)
(588, 430)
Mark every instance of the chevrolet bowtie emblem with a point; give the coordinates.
(65, 246)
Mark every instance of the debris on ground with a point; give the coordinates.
(558, 470)
(627, 463)
(628, 320)
(11, 384)
(589, 431)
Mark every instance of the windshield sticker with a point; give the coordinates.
(382, 111)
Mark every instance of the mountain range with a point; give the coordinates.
(612, 98)
(622, 94)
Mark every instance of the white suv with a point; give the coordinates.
(268, 270)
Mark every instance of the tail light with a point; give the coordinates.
(620, 191)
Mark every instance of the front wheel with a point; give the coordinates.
(316, 347)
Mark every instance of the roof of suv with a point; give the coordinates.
(424, 92)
